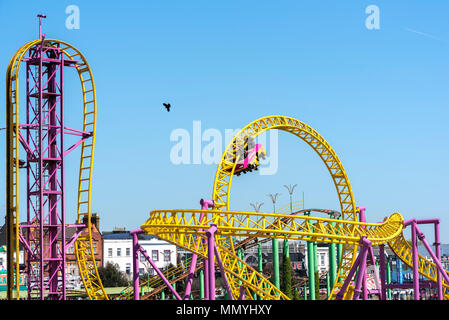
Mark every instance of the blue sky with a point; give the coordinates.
(379, 97)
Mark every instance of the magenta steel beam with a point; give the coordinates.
(25, 144)
(55, 223)
(440, 268)
(370, 253)
(210, 234)
(25, 244)
(159, 273)
(438, 256)
(415, 263)
(206, 279)
(190, 276)
(134, 234)
(205, 205)
(80, 228)
(350, 275)
(76, 132)
(361, 274)
(383, 291)
(40, 171)
(437, 244)
(362, 218)
(372, 258)
(242, 293)
(422, 284)
(76, 145)
(223, 274)
(44, 232)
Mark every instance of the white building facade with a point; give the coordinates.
(117, 248)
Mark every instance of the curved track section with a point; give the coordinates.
(83, 246)
(182, 227)
(426, 268)
(181, 271)
(237, 272)
(225, 171)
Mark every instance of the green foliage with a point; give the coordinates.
(111, 276)
(317, 285)
(296, 295)
(286, 279)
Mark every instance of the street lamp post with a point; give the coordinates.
(311, 265)
(275, 247)
(332, 254)
(256, 207)
(290, 189)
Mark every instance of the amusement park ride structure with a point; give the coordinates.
(209, 234)
(40, 134)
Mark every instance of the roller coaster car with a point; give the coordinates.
(250, 160)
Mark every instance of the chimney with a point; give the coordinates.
(94, 219)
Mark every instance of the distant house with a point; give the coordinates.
(117, 246)
(72, 271)
(73, 279)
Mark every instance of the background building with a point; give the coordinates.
(117, 246)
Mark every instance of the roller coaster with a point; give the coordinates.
(209, 233)
(185, 227)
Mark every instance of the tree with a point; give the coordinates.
(317, 286)
(111, 276)
(296, 295)
(286, 280)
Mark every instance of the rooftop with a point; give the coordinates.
(122, 235)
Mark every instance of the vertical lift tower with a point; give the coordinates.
(40, 132)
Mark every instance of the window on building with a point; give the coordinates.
(142, 257)
(155, 255)
(128, 268)
(141, 271)
(119, 252)
(166, 255)
(110, 252)
(95, 247)
(128, 252)
(322, 259)
(70, 249)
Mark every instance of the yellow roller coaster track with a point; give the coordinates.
(83, 245)
(221, 197)
(426, 268)
(223, 178)
(183, 227)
